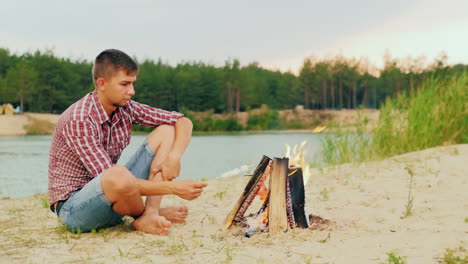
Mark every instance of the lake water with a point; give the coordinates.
(24, 160)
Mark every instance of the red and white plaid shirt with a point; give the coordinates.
(87, 141)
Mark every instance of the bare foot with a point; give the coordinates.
(175, 214)
(152, 224)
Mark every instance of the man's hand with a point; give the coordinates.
(188, 189)
(169, 168)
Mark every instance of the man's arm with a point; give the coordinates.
(82, 138)
(149, 116)
(187, 189)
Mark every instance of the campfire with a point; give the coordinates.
(282, 202)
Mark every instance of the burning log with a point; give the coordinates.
(296, 189)
(277, 216)
(248, 195)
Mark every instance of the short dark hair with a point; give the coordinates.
(108, 62)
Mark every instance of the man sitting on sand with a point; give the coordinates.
(86, 189)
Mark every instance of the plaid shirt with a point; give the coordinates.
(87, 141)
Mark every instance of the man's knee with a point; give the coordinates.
(163, 133)
(119, 180)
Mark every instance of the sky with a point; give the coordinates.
(275, 34)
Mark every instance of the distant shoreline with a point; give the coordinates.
(343, 119)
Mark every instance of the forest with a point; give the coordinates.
(43, 82)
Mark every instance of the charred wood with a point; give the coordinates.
(297, 192)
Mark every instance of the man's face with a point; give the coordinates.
(119, 89)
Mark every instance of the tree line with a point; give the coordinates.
(44, 82)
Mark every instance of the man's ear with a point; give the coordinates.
(100, 83)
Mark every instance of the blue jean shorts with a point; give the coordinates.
(88, 208)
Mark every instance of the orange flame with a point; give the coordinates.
(262, 192)
(264, 217)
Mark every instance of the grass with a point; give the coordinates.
(393, 258)
(105, 233)
(175, 248)
(455, 256)
(44, 201)
(65, 235)
(409, 204)
(18, 214)
(219, 195)
(324, 194)
(307, 259)
(39, 127)
(212, 219)
(228, 250)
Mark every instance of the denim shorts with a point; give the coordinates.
(88, 208)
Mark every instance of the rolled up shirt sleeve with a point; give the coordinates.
(146, 115)
(82, 138)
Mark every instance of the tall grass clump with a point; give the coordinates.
(345, 147)
(436, 115)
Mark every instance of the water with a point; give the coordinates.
(24, 160)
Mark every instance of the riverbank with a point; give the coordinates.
(366, 203)
(329, 119)
(15, 125)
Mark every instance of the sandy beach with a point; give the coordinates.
(365, 202)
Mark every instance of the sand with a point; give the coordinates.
(365, 202)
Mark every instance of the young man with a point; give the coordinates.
(86, 189)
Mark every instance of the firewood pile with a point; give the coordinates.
(283, 201)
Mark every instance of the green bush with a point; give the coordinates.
(197, 125)
(263, 119)
(229, 124)
(142, 129)
(212, 125)
(292, 124)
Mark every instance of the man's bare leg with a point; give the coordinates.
(121, 188)
(175, 214)
(155, 220)
(151, 221)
